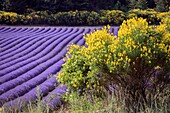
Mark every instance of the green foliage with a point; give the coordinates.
(87, 18)
(18, 5)
(152, 16)
(5, 5)
(135, 4)
(82, 104)
(39, 17)
(142, 4)
(79, 72)
(132, 4)
(93, 18)
(76, 18)
(141, 59)
(8, 17)
(161, 5)
(115, 103)
(112, 103)
(163, 15)
(111, 17)
(115, 17)
(138, 60)
(55, 6)
(149, 14)
(76, 70)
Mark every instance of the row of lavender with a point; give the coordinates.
(31, 57)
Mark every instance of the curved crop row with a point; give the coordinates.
(31, 57)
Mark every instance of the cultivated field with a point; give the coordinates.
(30, 58)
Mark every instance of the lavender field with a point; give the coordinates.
(30, 57)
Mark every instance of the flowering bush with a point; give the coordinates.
(149, 14)
(162, 15)
(139, 42)
(74, 18)
(112, 17)
(115, 17)
(8, 17)
(79, 71)
(141, 59)
(138, 61)
(75, 70)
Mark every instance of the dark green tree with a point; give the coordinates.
(141, 4)
(5, 5)
(132, 4)
(18, 6)
(1, 5)
(161, 5)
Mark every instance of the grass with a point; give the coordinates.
(112, 103)
(115, 103)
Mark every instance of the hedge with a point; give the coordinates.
(79, 18)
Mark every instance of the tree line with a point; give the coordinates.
(21, 6)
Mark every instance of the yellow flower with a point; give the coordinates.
(74, 85)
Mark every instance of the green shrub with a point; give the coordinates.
(141, 60)
(162, 15)
(93, 18)
(76, 18)
(141, 4)
(161, 5)
(75, 70)
(149, 14)
(103, 19)
(114, 17)
(79, 18)
(137, 61)
(8, 17)
(64, 18)
(114, 103)
(38, 17)
(79, 72)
